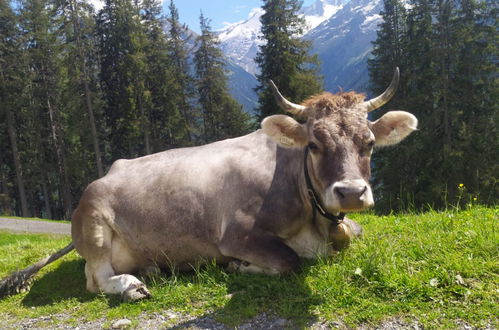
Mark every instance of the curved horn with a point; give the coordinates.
(381, 100)
(293, 108)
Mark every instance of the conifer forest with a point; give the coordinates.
(81, 88)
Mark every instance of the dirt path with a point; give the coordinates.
(34, 226)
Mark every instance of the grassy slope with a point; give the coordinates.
(436, 267)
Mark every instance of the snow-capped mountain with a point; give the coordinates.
(344, 42)
(240, 41)
(320, 11)
(341, 32)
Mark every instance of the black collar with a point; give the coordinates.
(315, 200)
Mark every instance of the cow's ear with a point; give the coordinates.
(393, 127)
(285, 131)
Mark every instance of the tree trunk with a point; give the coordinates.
(5, 201)
(17, 163)
(61, 159)
(145, 124)
(46, 197)
(186, 122)
(3, 178)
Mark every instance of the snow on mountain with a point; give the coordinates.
(240, 41)
(344, 42)
(341, 32)
(320, 11)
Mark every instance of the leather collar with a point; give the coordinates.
(315, 200)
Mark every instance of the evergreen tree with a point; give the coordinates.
(166, 121)
(82, 70)
(183, 90)
(284, 57)
(447, 65)
(388, 49)
(10, 85)
(123, 69)
(223, 117)
(475, 96)
(45, 111)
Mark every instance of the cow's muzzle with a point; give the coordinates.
(350, 195)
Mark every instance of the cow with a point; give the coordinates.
(257, 203)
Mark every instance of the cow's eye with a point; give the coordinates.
(312, 146)
(371, 144)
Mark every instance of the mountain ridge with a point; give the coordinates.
(341, 32)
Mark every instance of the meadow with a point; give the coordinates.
(439, 269)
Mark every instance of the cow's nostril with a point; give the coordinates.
(339, 192)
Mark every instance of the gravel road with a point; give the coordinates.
(34, 226)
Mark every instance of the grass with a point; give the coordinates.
(436, 268)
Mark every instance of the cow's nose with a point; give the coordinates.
(346, 192)
(353, 195)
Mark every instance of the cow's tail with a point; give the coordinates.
(21, 280)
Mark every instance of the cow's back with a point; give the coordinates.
(173, 206)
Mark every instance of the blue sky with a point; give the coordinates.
(219, 11)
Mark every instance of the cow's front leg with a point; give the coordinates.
(258, 252)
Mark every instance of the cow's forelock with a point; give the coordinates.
(325, 104)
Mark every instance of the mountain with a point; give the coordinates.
(344, 42)
(241, 84)
(341, 32)
(320, 11)
(240, 41)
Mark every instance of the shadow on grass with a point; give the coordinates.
(258, 298)
(262, 300)
(66, 281)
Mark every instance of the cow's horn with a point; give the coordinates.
(381, 100)
(293, 108)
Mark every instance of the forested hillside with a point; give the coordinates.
(448, 53)
(80, 89)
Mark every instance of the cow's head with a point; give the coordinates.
(340, 141)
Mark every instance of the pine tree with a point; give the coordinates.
(43, 44)
(83, 49)
(184, 88)
(9, 91)
(166, 121)
(123, 70)
(475, 96)
(284, 57)
(223, 117)
(447, 66)
(388, 48)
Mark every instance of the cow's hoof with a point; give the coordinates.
(135, 292)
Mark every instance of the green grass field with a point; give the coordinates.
(436, 268)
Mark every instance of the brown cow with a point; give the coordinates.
(258, 202)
